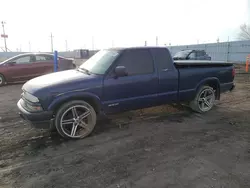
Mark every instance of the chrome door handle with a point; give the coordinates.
(164, 70)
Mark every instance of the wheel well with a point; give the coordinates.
(3, 77)
(216, 86)
(89, 100)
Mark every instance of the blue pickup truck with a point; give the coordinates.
(117, 80)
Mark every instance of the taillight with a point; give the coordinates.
(233, 72)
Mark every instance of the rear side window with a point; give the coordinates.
(200, 53)
(41, 58)
(137, 62)
(162, 58)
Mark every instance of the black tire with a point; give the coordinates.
(65, 108)
(196, 103)
(2, 80)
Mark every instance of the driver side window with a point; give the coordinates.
(23, 60)
(137, 62)
(192, 55)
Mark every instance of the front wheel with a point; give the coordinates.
(75, 120)
(204, 100)
(2, 80)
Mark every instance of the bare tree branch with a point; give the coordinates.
(244, 32)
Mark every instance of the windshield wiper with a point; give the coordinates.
(85, 70)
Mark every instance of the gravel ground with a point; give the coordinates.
(157, 147)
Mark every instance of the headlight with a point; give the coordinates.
(30, 102)
(31, 107)
(30, 97)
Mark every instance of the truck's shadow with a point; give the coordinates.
(106, 124)
(174, 113)
(47, 139)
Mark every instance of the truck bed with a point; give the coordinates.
(193, 73)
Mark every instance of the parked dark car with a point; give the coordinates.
(191, 55)
(24, 67)
(117, 80)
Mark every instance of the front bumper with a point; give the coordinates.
(40, 120)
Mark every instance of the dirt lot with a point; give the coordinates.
(159, 147)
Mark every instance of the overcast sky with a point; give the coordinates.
(125, 22)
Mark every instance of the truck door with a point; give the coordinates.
(136, 90)
(168, 76)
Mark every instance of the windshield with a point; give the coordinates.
(100, 62)
(182, 54)
(10, 59)
(6, 61)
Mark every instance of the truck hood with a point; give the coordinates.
(60, 82)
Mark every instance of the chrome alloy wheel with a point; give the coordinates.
(206, 99)
(1, 80)
(77, 121)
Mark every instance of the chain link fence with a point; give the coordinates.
(235, 52)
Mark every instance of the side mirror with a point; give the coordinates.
(11, 63)
(120, 71)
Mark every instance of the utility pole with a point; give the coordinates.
(4, 36)
(156, 41)
(29, 47)
(51, 40)
(92, 43)
(66, 45)
(145, 43)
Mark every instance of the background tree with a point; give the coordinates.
(244, 32)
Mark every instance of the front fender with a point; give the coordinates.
(76, 95)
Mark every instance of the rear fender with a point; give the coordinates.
(213, 82)
(94, 100)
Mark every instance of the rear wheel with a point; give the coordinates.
(204, 100)
(75, 120)
(2, 80)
